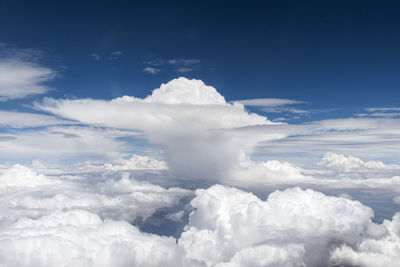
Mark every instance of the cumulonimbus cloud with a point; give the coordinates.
(190, 121)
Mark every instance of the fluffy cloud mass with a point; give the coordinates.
(24, 192)
(81, 238)
(293, 227)
(227, 226)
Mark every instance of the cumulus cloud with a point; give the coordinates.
(24, 192)
(349, 163)
(81, 238)
(291, 228)
(250, 172)
(89, 221)
(21, 176)
(373, 252)
(136, 162)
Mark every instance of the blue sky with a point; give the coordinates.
(333, 55)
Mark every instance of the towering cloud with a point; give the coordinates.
(190, 121)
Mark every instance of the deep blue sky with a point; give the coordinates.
(333, 54)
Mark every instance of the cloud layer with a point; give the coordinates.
(227, 226)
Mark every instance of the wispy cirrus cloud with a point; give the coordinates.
(178, 65)
(386, 112)
(269, 102)
(21, 75)
(95, 56)
(116, 55)
(14, 119)
(151, 70)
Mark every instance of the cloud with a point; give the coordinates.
(276, 106)
(249, 173)
(83, 220)
(151, 70)
(349, 163)
(116, 55)
(94, 220)
(20, 78)
(184, 61)
(181, 65)
(369, 138)
(81, 238)
(184, 69)
(137, 163)
(58, 143)
(383, 109)
(387, 112)
(291, 228)
(373, 252)
(27, 193)
(20, 176)
(269, 102)
(190, 121)
(25, 120)
(203, 137)
(95, 56)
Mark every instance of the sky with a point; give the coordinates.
(331, 54)
(208, 133)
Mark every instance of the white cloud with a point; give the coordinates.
(349, 163)
(190, 121)
(373, 252)
(151, 70)
(180, 65)
(269, 102)
(383, 109)
(136, 162)
(116, 54)
(26, 193)
(95, 56)
(20, 78)
(300, 226)
(81, 238)
(184, 91)
(57, 143)
(184, 69)
(24, 120)
(20, 176)
(78, 220)
(251, 173)
(370, 138)
(184, 61)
